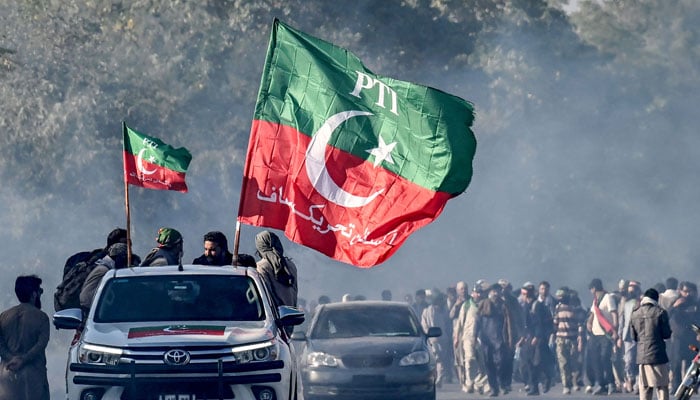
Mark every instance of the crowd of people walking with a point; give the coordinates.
(598, 343)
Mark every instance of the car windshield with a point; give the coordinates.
(364, 321)
(180, 298)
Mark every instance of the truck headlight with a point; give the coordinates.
(415, 358)
(95, 354)
(266, 351)
(319, 359)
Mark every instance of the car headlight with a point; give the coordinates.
(415, 358)
(101, 355)
(319, 359)
(266, 351)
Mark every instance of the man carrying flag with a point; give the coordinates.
(150, 163)
(345, 161)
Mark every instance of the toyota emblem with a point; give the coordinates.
(176, 357)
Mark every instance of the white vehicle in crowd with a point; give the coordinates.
(182, 333)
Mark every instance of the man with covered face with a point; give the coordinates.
(278, 271)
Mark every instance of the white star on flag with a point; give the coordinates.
(382, 152)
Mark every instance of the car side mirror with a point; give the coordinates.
(434, 331)
(70, 318)
(300, 336)
(290, 316)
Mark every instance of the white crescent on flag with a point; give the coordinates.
(316, 164)
(139, 164)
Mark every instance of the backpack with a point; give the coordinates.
(86, 256)
(76, 270)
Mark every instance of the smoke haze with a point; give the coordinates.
(586, 124)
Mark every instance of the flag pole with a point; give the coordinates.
(241, 202)
(126, 201)
(236, 241)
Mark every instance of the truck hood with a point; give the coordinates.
(177, 334)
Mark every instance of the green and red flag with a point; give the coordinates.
(345, 161)
(150, 163)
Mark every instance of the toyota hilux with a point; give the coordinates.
(181, 333)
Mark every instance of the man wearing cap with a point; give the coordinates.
(117, 235)
(634, 294)
(602, 328)
(649, 328)
(461, 291)
(474, 376)
(568, 337)
(169, 250)
(215, 250)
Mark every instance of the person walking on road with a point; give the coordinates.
(602, 327)
(649, 328)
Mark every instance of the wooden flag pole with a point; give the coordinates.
(126, 202)
(236, 241)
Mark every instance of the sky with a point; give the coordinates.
(586, 130)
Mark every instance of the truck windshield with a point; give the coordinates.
(180, 298)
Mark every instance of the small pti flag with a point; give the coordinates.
(345, 161)
(150, 163)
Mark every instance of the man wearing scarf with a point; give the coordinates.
(169, 250)
(278, 271)
(649, 328)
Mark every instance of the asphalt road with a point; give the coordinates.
(453, 392)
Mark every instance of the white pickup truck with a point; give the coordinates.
(181, 333)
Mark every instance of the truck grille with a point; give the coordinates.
(198, 355)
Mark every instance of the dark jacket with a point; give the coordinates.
(538, 321)
(491, 322)
(161, 256)
(681, 318)
(649, 327)
(227, 259)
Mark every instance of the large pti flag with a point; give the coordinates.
(345, 161)
(150, 163)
